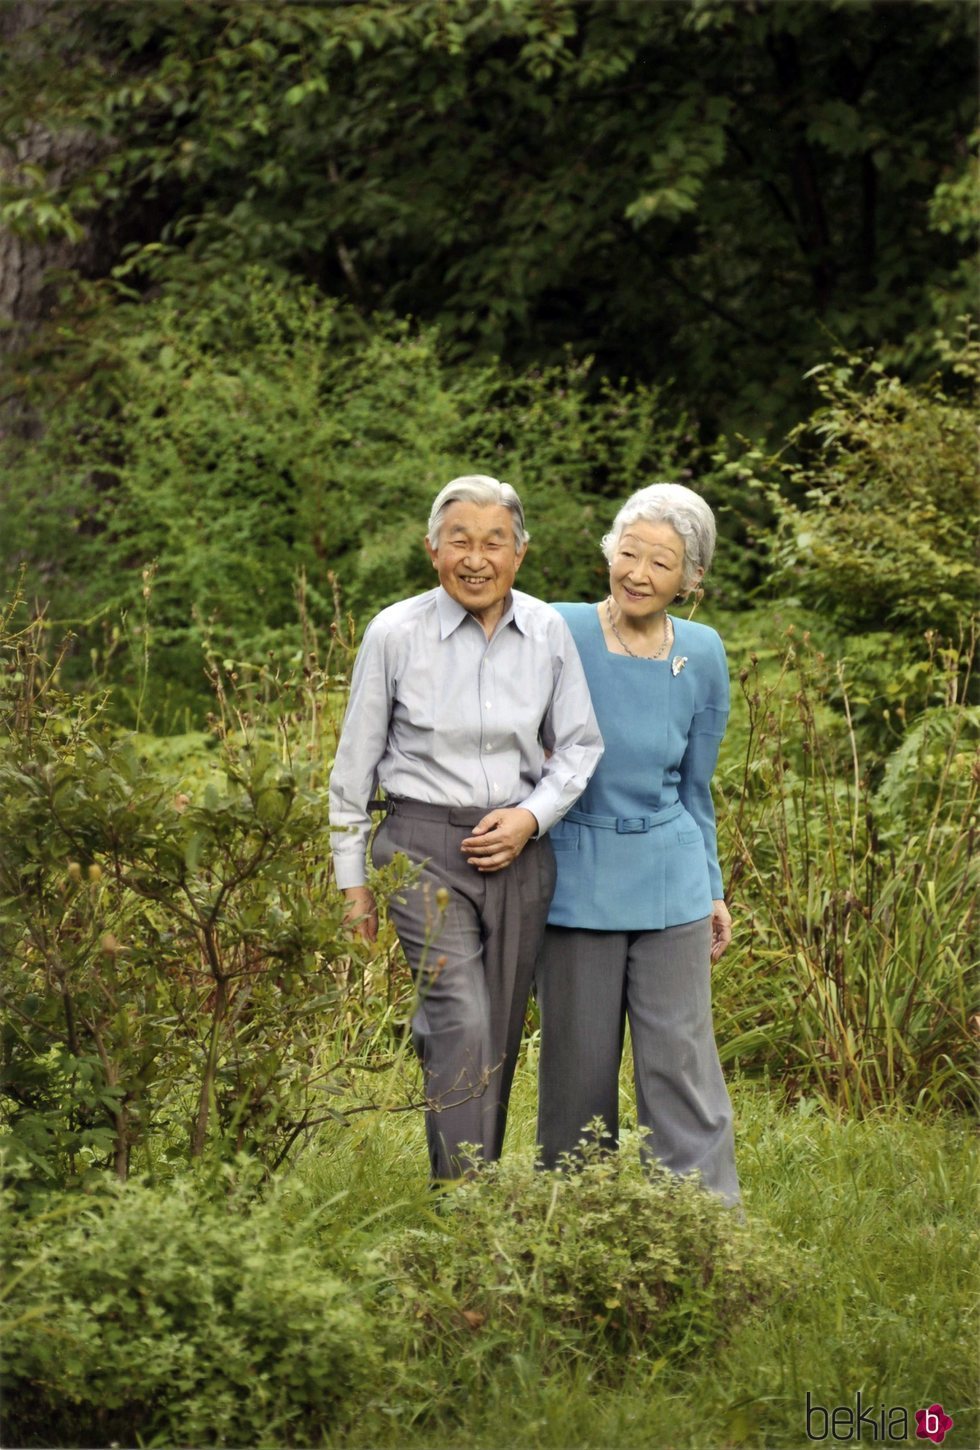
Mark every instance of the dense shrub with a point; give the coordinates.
(877, 502)
(602, 1259)
(228, 434)
(174, 972)
(141, 1315)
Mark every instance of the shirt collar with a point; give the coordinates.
(451, 613)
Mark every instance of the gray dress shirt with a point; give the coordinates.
(439, 713)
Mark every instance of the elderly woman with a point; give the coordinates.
(638, 914)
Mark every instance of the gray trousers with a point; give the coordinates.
(473, 962)
(587, 984)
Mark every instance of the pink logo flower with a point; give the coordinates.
(932, 1424)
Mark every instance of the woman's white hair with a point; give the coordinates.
(682, 508)
(484, 491)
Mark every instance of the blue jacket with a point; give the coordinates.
(638, 851)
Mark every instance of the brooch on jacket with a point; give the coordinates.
(677, 664)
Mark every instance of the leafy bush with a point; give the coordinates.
(174, 970)
(199, 450)
(706, 187)
(602, 1259)
(141, 1315)
(876, 514)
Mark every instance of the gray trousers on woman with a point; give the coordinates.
(587, 984)
(473, 962)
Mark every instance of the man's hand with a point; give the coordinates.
(499, 838)
(721, 929)
(362, 913)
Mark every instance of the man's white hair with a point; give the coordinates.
(484, 491)
(682, 508)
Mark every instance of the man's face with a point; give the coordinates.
(477, 558)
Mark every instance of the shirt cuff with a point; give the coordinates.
(542, 807)
(349, 871)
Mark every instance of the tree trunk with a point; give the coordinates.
(26, 294)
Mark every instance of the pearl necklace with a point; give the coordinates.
(658, 654)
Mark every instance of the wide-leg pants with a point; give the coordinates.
(473, 960)
(588, 983)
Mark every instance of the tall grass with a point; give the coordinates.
(854, 891)
(878, 1214)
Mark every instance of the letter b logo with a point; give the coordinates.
(932, 1424)
(812, 1411)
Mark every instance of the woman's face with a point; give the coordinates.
(647, 569)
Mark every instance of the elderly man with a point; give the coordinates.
(469, 708)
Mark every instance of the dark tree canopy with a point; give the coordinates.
(705, 192)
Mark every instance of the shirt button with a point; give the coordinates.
(489, 747)
(488, 704)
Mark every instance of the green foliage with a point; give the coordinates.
(603, 1259)
(876, 514)
(170, 1316)
(854, 893)
(877, 1217)
(200, 450)
(175, 975)
(717, 185)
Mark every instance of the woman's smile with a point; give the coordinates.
(646, 573)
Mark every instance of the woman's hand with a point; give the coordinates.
(721, 929)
